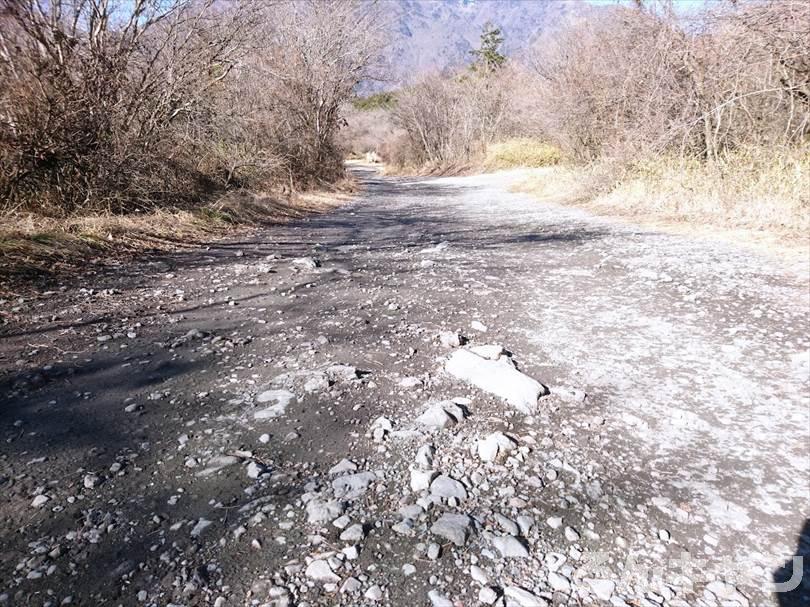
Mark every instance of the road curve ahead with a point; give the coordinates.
(272, 420)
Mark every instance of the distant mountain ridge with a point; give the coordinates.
(437, 35)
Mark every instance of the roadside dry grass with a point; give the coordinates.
(753, 196)
(33, 245)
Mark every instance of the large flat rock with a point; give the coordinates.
(498, 377)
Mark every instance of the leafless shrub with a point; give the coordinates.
(451, 120)
(126, 105)
(646, 80)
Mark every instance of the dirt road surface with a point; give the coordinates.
(245, 424)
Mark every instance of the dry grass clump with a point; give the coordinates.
(32, 244)
(521, 152)
(751, 189)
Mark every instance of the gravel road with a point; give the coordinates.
(269, 421)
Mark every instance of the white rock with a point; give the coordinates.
(420, 479)
(451, 339)
(353, 534)
(353, 485)
(374, 593)
(603, 589)
(91, 480)
(408, 570)
(479, 575)
(319, 511)
(308, 263)
(409, 383)
(447, 487)
(487, 595)
(490, 352)
(478, 326)
(452, 527)
(424, 456)
(281, 400)
(351, 585)
(524, 598)
(320, 571)
(39, 501)
(571, 534)
(507, 524)
(435, 416)
(215, 464)
(201, 526)
(508, 545)
(343, 466)
(555, 522)
(495, 447)
(559, 582)
(497, 377)
(439, 600)
(264, 439)
(433, 551)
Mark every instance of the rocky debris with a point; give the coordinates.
(320, 571)
(602, 589)
(217, 463)
(498, 377)
(437, 599)
(353, 485)
(453, 527)
(319, 511)
(441, 415)
(495, 447)
(452, 339)
(446, 487)
(343, 466)
(508, 546)
(306, 263)
(281, 398)
(39, 501)
(524, 598)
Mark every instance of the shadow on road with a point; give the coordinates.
(794, 575)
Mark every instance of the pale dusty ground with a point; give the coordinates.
(694, 437)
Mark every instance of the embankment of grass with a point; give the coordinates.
(752, 194)
(32, 245)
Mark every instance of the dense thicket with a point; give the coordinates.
(630, 81)
(131, 104)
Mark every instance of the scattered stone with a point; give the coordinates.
(342, 467)
(91, 480)
(452, 527)
(320, 571)
(307, 263)
(523, 597)
(447, 487)
(351, 585)
(451, 339)
(281, 398)
(320, 511)
(374, 593)
(495, 447)
(603, 589)
(424, 456)
(421, 479)
(39, 501)
(487, 595)
(571, 534)
(353, 485)
(439, 600)
(353, 534)
(508, 546)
